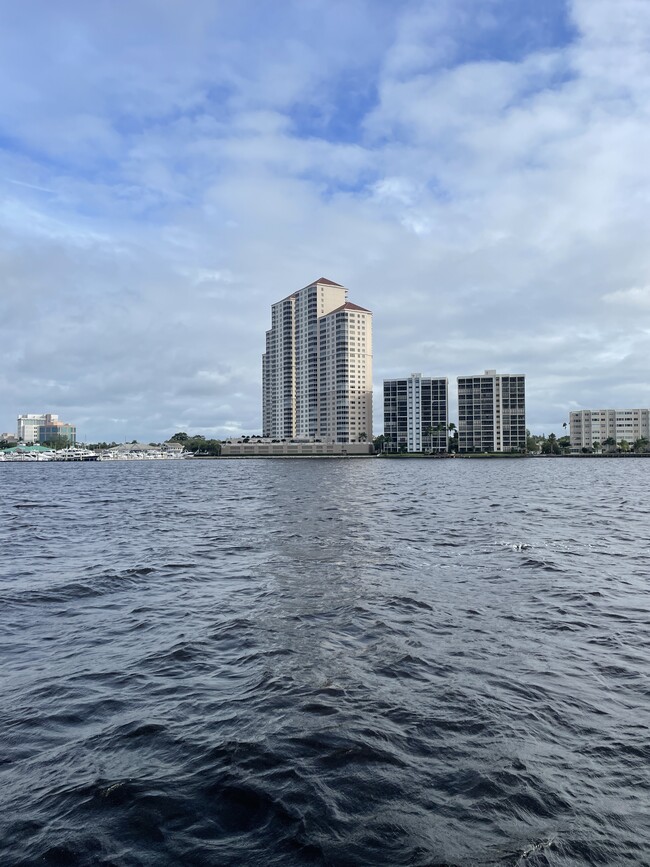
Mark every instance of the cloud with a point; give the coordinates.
(475, 173)
(635, 297)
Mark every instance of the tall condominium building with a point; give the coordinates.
(589, 426)
(415, 414)
(491, 412)
(317, 367)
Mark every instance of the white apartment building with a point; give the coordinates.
(28, 425)
(589, 426)
(317, 368)
(345, 374)
(492, 412)
(416, 414)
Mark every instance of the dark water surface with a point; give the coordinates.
(325, 662)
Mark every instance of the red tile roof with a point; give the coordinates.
(350, 306)
(325, 281)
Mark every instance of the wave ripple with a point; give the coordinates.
(325, 663)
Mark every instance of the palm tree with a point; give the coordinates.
(429, 433)
(640, 445)
(596, 446)
(363, 437)
(609, 442)
(451, 427)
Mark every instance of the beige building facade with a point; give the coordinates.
(345, 374)
(28, 424)
(269, 448)
(589, 426)
(317, 367)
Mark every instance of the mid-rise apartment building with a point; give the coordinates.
(29, 423)
(35, 428)
(491, 412)
(589, 426)
(416, 414)
(58, 430)
(317, 367)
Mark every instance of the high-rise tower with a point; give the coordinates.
(317, 368)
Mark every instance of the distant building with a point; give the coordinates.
(415, 414)
(28, 425)
(589, 426)
(52, 431)
(317, 367)
(10, 438)
(44, 428)
(173, 447)
(491, 413)
(264, 447)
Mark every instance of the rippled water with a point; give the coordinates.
(325, 662)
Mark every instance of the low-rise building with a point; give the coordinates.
(266, 447)
(589, 426)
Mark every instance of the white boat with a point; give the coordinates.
(74, 453)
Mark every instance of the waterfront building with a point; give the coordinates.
(589, 426)
(317, 367)
(491, 413)
(264, 447)
(53, 430)
(416, 414)
(29, 423)
(34, 428)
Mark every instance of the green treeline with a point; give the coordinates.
(198, 444)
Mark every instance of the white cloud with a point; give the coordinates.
(170, 173)
(635, 297)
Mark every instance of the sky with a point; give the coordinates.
(476, 172)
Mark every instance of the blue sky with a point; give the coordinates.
(475, 171)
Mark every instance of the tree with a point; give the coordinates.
(180, 437)
(610, 442)
(624, 446)
(533, 442)
(57, 442)
(453, 437)
(565, 444)
(362, 437)
(551, 446)
(640, 445)
(378, 443)
(596, 446)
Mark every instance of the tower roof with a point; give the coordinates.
(325, 281)
(350, 306)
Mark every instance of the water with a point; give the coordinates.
(325, 662)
